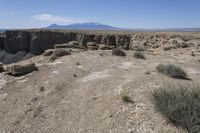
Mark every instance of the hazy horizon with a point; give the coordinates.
(137, 14)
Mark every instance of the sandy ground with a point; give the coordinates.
(86, 98)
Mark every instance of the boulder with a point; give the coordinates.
(92, 46)
(61, 52)
(20, 69)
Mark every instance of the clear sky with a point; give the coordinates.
(118, 13)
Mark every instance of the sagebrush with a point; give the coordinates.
(172, 71)
(180, 104)
(118, 52)
(139, 55)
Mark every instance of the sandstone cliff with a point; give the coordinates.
(21, 44)
(36, 41)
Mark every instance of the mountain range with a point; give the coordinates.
(99, 26)
(86, 26)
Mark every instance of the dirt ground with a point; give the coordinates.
(81, 93)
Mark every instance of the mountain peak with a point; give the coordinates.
(89, 25)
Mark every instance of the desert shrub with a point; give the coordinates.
(139, 55)
(193, 54)
(180, 104)
(185, 39)
(167, 48)
(184, 45)
(126, 99)
(42, 89)
(118, 52)
(172, 71)
(147, 73)
(77, 63)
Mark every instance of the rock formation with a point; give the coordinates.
(17, 45)
(37, 41)
(22, 69)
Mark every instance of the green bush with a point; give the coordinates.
(180, 104)
(184, 45)
(172, 71)
(77, 63)
(118, 52)
(139, 55)
(126, 99)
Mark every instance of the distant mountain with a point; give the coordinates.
(167, 30)
(86, 26)
(183, 30)
(2, 30)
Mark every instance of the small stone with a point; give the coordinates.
(75, 75)
(110, 115)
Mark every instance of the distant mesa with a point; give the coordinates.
(89, 26)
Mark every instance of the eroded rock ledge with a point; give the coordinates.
(36, 41)
(16, 45)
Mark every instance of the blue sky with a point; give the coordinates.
(119, 13)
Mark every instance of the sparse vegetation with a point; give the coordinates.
(75, 75)
(42, 89)
(77, 63)
(193, 54)
(139, 55)
(167, 48)
(172, 71)
(118, 52)
(184, 45)
(184, 38)
(147, 73)
(180, 104)
(126, 99)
